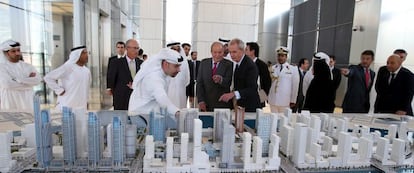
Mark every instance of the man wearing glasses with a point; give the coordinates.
(122, 74)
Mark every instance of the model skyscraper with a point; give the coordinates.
(69, 136)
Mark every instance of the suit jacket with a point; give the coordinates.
(394, 96)
(210, 92)
(193, 76)
(356, 99)
(119, 77)
(245, 82)
(110, 65)
(265, 80)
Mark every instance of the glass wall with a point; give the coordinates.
(30, 23)
(47, 31)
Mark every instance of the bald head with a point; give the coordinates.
(394, 62)
(132, 48)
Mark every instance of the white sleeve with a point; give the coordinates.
(160, 95)
(8, 81)
(295, 84)
(52, 78)
(186, 72)
(307, 79)
(31, 81)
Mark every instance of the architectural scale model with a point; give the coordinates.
(307, 143)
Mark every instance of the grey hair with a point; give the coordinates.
(216, 43)
(239, 43)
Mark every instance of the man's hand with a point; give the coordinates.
(202, 106)
(61, 94)
(32, 74)
(217, 79)
(109, 92)
(400, 112)
(226, 97)
(129, 85)
(344, 71)
(292, 105)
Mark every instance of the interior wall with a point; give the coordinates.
(367, 18)
(396, 31)
(151, 31)
(58, 57)
(229, 19)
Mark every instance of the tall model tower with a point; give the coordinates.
(227, 155)
(118, 145)
(157, 126)
(69, 136)
(94, 134)
(43, 135)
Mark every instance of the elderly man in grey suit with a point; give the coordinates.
(214, 79)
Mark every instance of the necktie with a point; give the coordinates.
(367, 77)
(214, 69)
(132, 68)
(281, 67)
(392, 77)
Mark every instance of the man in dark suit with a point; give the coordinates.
(395, 88)
(303, 67)
(360, 80)
(336, 77)
(122, 74)
(252, 51)
(245, 78)
(193, 66)
(120, 51)
(214, 79)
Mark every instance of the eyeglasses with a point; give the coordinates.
(136, 48)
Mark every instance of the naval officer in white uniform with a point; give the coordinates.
(285, 83)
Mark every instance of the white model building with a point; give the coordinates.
(257, 152)
(247, 143)
(169, 152)
(184, 148)
(266, 124)
(219, 114)
(273, 161)
(287, 134)
(398, 151)
(299, 145)
(186, 121)
(343, 151)
(227, 153)
(200, 158)
(6, 162)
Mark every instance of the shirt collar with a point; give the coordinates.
(129, 59)
(241, 59)
(396, 71)
(255, 59)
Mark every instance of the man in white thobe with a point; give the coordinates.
(151, 83)
(177, 85)
(71, 80)
(284, 89)
(71, 83)
(17, 79)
